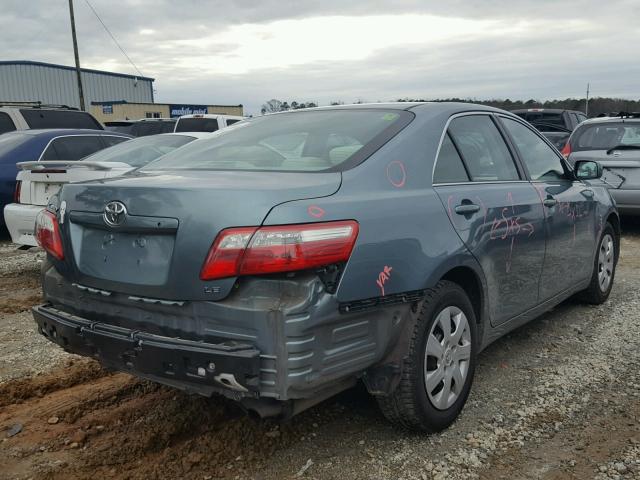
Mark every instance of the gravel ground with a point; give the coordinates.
(556, 399)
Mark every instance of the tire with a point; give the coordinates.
(411, 405)
(595, 293)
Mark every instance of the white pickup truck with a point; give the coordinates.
(38, 181)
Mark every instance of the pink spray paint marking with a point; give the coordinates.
(396, 173)
(315, 211)
(383, 277)
(508, 226)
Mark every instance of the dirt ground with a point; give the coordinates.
(556, 399)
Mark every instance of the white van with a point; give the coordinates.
(205, 122)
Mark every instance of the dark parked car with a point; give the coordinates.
(143, 127)
(389, 243)
(555, 124)
(615, 143)
(53, 144)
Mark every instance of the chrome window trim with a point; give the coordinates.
(77, 135)
(471, 182)
(484, 182)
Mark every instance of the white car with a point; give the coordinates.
(205, 122)
(41, 179)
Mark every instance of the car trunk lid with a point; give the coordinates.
(41, 180)
(169, 222)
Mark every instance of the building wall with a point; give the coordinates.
(57, 84)
(135, 111)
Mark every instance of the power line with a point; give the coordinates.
(112, 37)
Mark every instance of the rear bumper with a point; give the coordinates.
(193, 366)
(305, 344)
(20, 220)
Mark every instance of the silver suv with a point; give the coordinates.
(30, 115)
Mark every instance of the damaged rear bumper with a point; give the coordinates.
(231, 368)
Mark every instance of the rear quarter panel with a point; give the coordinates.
(406, 241)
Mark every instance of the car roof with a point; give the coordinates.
(68, 131)
(57, 132)
(611, 120)
(417, 107)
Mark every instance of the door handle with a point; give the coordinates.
(587, 193)
(550, 202)
(467, 208)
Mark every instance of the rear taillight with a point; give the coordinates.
(566, 150)
(256, 251)
(48, 234)
(16, 192)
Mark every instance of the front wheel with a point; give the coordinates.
(604, 269)
(439, 366)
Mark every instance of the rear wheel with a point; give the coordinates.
(439, 366)
(604, 268)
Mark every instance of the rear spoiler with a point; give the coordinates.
(59, 164)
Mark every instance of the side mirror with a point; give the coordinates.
(587, 169)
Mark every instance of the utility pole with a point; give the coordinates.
(75, 52)
(586, 107)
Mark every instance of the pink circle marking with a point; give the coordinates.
(394, 169)
(315, 211)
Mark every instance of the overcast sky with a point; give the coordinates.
(230, 52)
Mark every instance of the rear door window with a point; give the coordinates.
(449, 165)
(483, 149)
(6, 124)
(73, 147)
(542, 162)
(38, 118)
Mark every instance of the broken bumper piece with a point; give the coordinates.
(229, 368)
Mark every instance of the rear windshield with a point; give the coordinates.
(551, 118)
(603, 136)
(329, 140)
(140, 151)
(144, 128)
(39, 118)
(119, 128)
(197, 125)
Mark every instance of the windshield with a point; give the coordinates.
(308, 141)
(140, 151)
(603, 136)
(9, 141)
(201, 124)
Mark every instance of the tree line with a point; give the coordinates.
(597, 105)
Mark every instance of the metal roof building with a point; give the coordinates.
(26, 81)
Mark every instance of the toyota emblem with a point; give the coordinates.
(114, 213)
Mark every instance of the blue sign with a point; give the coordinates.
(179, 110)
(107, 109)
